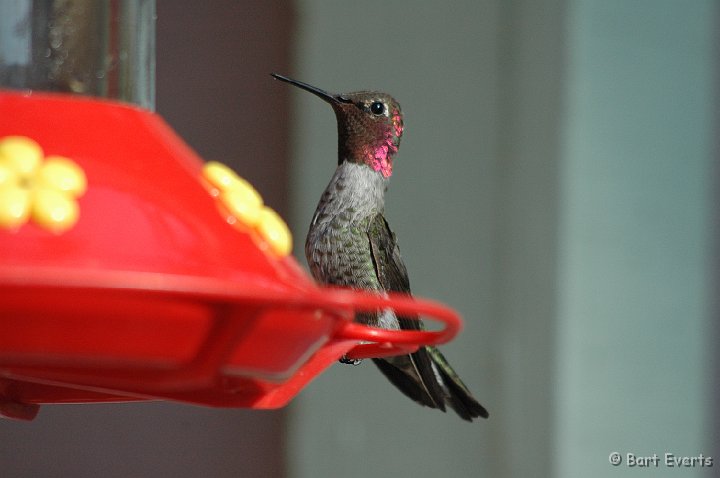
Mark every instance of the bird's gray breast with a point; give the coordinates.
(337, 246)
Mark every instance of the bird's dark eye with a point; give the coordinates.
(377, 108)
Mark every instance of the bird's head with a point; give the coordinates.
(370, 125)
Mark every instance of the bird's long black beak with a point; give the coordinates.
(330, 98)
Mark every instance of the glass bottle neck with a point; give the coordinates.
(102, 49)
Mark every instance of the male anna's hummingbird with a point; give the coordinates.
(350, 243)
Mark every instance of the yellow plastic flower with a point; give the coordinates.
(244, 208)
(32, 187)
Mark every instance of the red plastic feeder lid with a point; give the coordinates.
(131, 270)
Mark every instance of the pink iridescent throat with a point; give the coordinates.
(380, 157)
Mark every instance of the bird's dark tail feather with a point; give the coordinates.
(428, 379)
(457, 394)
(408, 386)
(414, 376)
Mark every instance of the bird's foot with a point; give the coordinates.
(350, 361)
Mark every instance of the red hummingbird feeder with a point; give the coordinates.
(130, 270)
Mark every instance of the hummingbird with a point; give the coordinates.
(350, 243)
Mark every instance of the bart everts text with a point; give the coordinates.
(660, 460)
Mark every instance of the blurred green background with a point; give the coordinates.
(554, 184)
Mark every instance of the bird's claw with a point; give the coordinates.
(349, 361)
